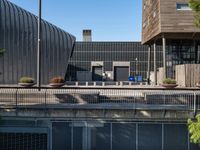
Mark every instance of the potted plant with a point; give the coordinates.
(198, 84)
(26, 81)
(57, 81)
(169, 83)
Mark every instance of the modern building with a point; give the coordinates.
(109, 61)
(170, 24)
(85, 118)
(18, 30)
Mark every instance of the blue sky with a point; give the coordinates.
(110, 20)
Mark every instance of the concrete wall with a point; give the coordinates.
(160, 75)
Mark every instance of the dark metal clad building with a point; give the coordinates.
(18, 36)
(92, 61)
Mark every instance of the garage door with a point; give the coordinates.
(121, 73)
(97, 72)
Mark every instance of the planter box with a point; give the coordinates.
(56, 84)
(27, 84)
(169, 85)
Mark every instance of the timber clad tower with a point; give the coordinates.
(170, 23)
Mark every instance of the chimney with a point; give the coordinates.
(87, 35)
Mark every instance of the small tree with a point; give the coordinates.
(194, 130)
(195, 6)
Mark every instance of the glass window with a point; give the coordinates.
(182, 6)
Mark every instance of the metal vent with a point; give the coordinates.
(23, 141)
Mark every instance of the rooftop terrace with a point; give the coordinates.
(100, 97)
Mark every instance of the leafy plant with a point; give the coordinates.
(2, 51)
(195, 6)
(194, 130)
(26, 80)
(169, 81)
(57, 80)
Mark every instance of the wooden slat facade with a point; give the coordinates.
(189, 75)
(163, 18)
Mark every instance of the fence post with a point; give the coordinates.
(195, 106)
(16, 100)
(45, 98)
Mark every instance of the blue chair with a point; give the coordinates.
(131, 78)
(139, 78)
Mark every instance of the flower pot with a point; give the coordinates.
(26, 84)
(169, 85)
(56, 84)
(198, 85)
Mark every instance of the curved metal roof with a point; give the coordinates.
(18, 30)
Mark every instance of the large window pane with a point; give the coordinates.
(175, 137)
(100, 137)
(78, 138)
(123, 136)
(149, 137)
(61, 136)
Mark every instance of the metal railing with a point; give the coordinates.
(100, 98)
(104, 83)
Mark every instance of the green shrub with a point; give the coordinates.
(169, 81)
(194, 130)
(26, 80)
(57, 80)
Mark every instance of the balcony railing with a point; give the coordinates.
(100, 98)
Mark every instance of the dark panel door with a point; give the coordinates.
(97, 72)
(121, 73)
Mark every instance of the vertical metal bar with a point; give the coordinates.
(72, 137)
(111, 147)
(155, 67)
(16, 100)
(136, 136)
(45, 99)
(149, 64)
(195, 103)
(164, 57)
(188, 141)
(163, 144)
(39, 48)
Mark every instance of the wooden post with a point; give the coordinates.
(155, 67)
(164, 57)
(149, 64)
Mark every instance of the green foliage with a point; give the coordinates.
(169, 81)
(26, 80)
(194, 130)
(2, 51)
(195, 6)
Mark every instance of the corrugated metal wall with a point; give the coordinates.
(18, 36)
(108, 52)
